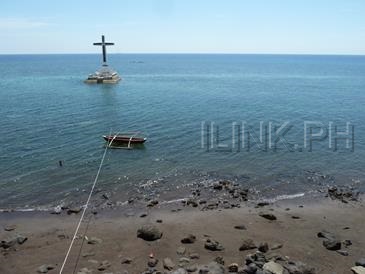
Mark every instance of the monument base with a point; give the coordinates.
(104, 75)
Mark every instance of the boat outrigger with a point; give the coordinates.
(120, 140)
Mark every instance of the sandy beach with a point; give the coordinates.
(221, 238)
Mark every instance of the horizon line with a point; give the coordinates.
(187, 53)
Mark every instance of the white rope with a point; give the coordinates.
(83, 212)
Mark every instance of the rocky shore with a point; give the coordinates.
(216, 227)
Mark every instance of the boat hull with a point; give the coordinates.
(124, 139)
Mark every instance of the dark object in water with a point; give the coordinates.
(60, 163)
(124, 138)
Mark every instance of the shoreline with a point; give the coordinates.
(290, 238)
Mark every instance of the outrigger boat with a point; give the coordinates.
(121, 139)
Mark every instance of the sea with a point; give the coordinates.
(275, 123)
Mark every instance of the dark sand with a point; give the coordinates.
(50, 235)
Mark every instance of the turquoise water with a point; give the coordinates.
(48, 114)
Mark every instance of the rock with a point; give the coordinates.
(84, 271)
(249, 269)
(94, 241)
(179, 271)
(343, 252)
(126, 260)
(219, 260)
(263, 247)
(152, 262)
(213, 245)
(189, 239)
(143, 215)
(347, 243)
(168, 264)
(247, 245)
(299, 268)
(181, 250)
(191, 202)
(325, 234)
(74, 210)
(261, 204)
(295, 217)
(45, 268)
(159, 221)
(21, 239)
(276, 246)
(273, 267)
(240, 227)
(9, 227)
(13, 241)
(360, 262)
(191, 268)
(152, 203)
(194, 256)
(358, 269)
(149, 233)
(332, 244)
(184, 260)
(211, 268)
(104, 265)
(233, 268)
(268, 216)
(88, 254)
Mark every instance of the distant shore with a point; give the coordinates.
(217, 227)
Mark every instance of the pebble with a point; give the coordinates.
(179, 271)
(240, 227)
(194, 256)
(332, 244)
(263, 247)
(219, 260)
(104, 265)
(45, 268)
(189, 239)
(213, 245)
(233, 268)
(181, 250)
(84, 271)
(74, 210)
(168, 264)
(126, 260)
(152, 262)
(268, 216)
(276, 246)
(94, 240)
(10, 227)
(343, 252)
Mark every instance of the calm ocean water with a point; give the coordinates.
(48, 114)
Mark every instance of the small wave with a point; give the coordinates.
(284, 197)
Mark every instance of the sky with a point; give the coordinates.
(183, 26)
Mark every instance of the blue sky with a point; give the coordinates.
(187, 26)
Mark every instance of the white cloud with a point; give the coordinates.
(20, 23)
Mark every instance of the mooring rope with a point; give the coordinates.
(83, 212)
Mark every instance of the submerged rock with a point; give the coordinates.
(360, 262)
(149, 233)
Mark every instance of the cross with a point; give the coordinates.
(103, 44)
